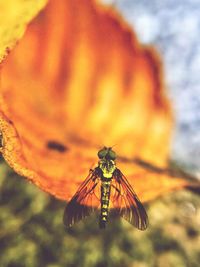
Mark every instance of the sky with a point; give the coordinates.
(173, 27)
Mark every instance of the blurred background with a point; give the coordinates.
(31, 229)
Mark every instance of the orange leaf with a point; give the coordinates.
(79, 80)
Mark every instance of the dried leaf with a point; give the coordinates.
(15, 15)
(78, 80)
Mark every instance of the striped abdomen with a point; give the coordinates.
(105, 197)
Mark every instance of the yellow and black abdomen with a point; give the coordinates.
(107, 167)
(105, 198)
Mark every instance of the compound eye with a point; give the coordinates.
(112, 154)
(102, 153)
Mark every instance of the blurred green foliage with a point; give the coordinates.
(32, 233)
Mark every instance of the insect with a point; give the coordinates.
(106, 184)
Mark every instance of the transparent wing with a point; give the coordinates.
(84, 201)
(126, 202)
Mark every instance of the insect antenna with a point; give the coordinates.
(114, 145)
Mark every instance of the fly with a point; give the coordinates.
(113, 187)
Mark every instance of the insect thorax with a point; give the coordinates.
(107, 167)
